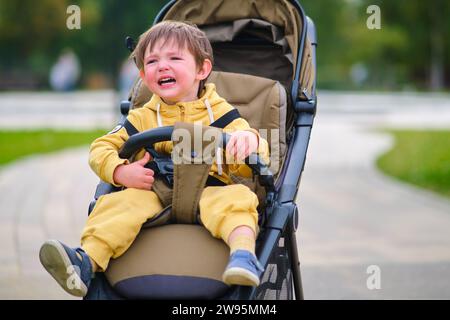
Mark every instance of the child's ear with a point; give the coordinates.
(141, 74)
(205, 70)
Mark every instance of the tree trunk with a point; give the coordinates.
(436, 81)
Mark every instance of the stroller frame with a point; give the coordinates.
(283, 218)
(281, 210)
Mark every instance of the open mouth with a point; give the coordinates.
(166, 81)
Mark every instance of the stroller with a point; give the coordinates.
(264, 53)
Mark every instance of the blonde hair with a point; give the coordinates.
(184, 34)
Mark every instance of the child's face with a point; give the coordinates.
(171, 72)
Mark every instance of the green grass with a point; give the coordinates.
(17, 144)
(421, 158)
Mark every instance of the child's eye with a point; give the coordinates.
(151, 61)
(176, 58)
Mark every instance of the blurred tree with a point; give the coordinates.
(410, 49)
(27, 31)
(380, 51)
(414, 37)
(412, 46)
(327, 15)
(32, 34)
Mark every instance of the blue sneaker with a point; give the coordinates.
(72, 273)
(243, 269)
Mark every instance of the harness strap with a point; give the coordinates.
(222, 122)
(226, 119)
(214, 182)
(131, 130)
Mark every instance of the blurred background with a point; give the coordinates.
(34, 37)
(376, 187)
(409, 52)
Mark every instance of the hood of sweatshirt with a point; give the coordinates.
(209, 96)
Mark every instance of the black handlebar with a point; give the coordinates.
(150, 137)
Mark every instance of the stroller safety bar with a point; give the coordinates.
(150, 137)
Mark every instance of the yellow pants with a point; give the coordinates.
(117, 217)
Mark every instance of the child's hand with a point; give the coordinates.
(135, 175)
(242, 144)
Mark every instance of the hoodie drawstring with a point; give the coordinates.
(210, 113)
(158, 115)
(219, 148)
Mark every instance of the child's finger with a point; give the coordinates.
(230, 149)
(149, 172)
(242, 153)
(148, 179)
(146, 186)
(241, 146)
(144, 160)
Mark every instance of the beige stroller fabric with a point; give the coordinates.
(277, 12)
(168, 253)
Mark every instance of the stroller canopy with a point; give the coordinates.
(239, 30)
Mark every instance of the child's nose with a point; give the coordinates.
(163, 65)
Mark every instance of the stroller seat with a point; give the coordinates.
(185, 261)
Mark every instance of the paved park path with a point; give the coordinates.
(352, 216)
